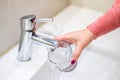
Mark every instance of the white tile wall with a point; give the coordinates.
(100, 5)
(12, 10)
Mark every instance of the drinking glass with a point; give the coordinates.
(61, 56)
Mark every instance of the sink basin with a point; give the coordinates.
(94, 64)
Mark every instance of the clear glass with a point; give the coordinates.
(61, 57)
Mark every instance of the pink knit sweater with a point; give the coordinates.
(107, 22)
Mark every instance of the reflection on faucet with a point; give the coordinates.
(28, 35)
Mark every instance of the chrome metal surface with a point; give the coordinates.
(28, 34)
(46, 41)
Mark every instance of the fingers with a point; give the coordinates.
(71, 38)
(76, 54)
(60, 38)
(66, 37)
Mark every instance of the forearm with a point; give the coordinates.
(108, 22)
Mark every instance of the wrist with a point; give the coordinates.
(90, 34)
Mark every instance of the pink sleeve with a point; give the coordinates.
(107, 22)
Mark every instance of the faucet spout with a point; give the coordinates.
(46, 41)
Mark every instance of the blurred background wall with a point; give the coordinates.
(99, 5)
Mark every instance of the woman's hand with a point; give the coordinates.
(80, 38)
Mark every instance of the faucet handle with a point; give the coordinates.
(45, 20)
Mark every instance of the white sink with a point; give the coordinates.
(12, 69)
(94, 64)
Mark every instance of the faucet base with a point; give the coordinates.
(23, 60)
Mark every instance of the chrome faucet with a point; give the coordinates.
(28, 35)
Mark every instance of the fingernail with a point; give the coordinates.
(73, 61)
